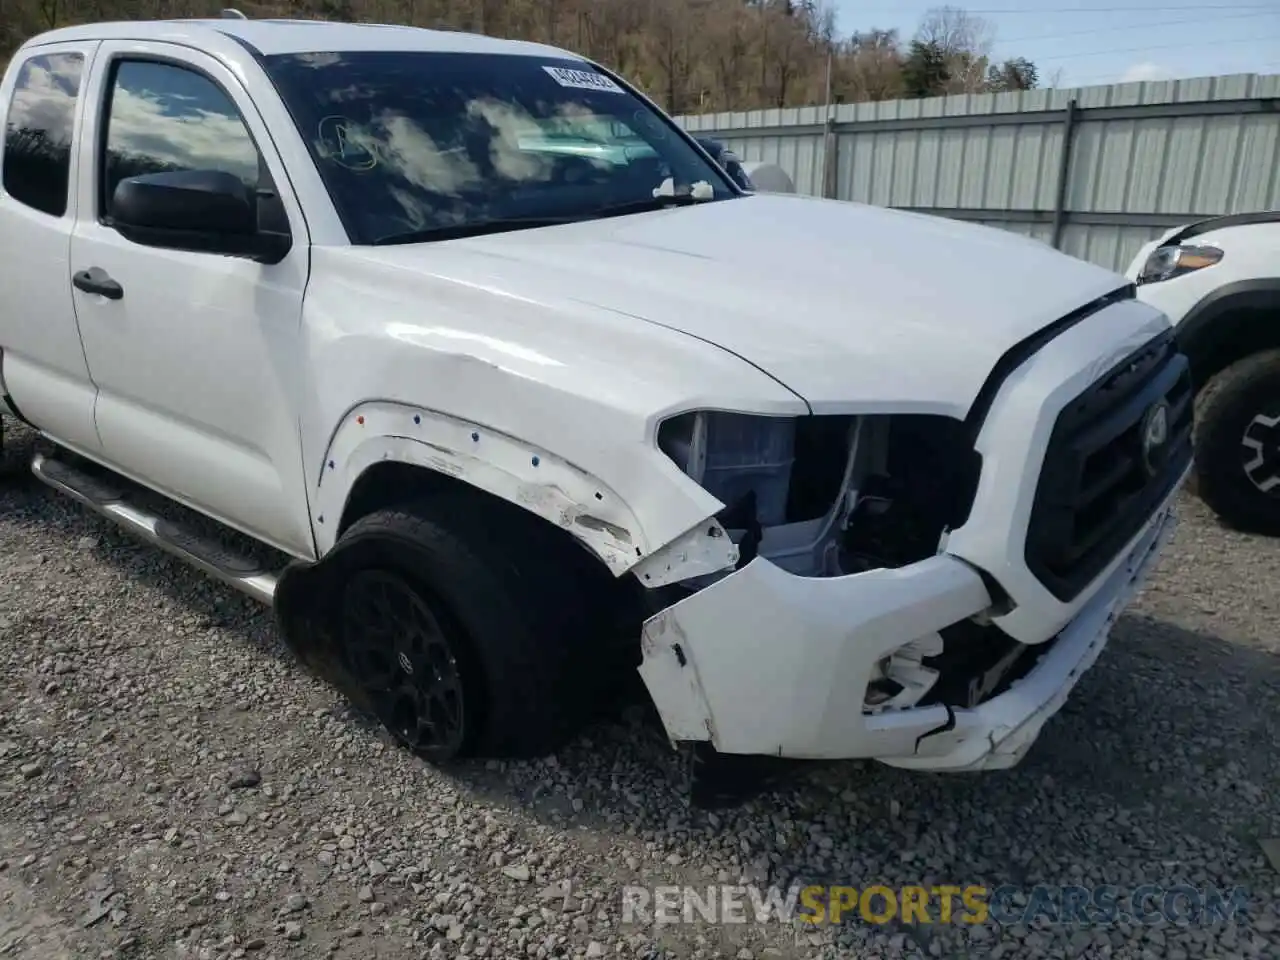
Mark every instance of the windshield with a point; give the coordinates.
(413, 143)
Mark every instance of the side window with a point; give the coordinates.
(37, 133)
(165, 118)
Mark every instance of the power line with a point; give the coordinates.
(1165, 46)
(1144, 26)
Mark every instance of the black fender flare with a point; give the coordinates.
(1206, 334)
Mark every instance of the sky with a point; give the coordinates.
(1106, 41)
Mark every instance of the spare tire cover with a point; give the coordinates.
(769, 177)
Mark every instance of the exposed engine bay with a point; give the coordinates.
(838, 495)
(829, 496)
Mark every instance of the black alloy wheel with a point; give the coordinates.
(400, 656)
(1238, 444)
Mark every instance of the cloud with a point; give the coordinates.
(1141, 72)
(450, 169)
(45, 97)
(177, 131)
(189, 136)
(507, 123)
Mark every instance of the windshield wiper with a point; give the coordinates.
(474, 229)
(645, 205)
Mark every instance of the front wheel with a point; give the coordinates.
(1237, 448)
(405, 659)
(471, 628)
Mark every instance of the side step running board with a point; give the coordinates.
(109, 501)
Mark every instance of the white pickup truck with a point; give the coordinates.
(837, 481)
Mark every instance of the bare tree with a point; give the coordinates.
(871, 67)
(673, 42)
(729, 40)
(686, 54)
(789, 59)
(49, 13)
(965, 42)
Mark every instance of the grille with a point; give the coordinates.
(1102, 477)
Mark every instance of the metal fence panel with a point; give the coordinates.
(1095, 171)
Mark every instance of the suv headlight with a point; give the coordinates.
(1165, 263)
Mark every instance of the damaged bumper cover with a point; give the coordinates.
(766, 663)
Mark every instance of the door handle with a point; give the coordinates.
(96, 280)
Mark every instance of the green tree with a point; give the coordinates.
(924, 70)
(1016, 74)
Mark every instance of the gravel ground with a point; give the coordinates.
(174, 785)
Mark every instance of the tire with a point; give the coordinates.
(1237, 444)
(525, 617)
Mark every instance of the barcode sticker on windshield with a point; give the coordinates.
(582, 79)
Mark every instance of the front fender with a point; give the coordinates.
(537, 480)
(1217, 319)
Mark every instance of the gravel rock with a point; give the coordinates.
(188, 791)
(242, 778)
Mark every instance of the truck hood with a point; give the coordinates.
(852, 307)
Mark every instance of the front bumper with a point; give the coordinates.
(997, 734)
(762, 662)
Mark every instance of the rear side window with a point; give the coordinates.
(37, 134)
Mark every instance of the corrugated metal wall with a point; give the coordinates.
(1143, 156)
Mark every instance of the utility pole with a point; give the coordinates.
(829, 186)
(829, 59)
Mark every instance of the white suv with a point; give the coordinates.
(533, 395)
(1218, 280)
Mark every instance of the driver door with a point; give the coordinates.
(196, 356)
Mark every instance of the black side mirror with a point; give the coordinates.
(728, 161)
(205, 211)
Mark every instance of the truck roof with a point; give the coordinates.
(301, 36)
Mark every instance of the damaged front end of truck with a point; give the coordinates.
(867, 614)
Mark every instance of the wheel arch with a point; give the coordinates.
(383, 451)
(385, 455)
(1228, 324)
(461, 548)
